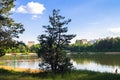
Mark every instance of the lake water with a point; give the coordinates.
(93, 66)
(100, 65)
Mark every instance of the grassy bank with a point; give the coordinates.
(74, 75)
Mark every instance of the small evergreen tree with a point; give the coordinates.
(53, 55)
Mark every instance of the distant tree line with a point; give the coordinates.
(34, 48)
(103, 45)
(18, 47)
(21, 47)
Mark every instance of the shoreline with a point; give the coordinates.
(21, 69)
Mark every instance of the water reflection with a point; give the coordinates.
(22, 64)
(82, 64)
(93, 66)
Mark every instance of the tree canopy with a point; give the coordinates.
(102, 45)
(9, 29)
(52, 41)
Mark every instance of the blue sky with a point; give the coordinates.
(91, 19)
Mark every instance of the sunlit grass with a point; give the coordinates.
(73, 75)
(2, 63)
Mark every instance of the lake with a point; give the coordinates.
(100, 63)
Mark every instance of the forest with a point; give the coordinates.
(102, 45)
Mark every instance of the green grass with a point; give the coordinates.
(1, 63)
(73, 75)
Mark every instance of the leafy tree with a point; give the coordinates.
(108, 44)
(34, 48)
(17, 47)
(21, 47)
(9, 29)
(52, 53)
(103, 45)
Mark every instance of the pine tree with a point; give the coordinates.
(54, 57)
(9, 29)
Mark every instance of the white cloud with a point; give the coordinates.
(34, 8)
(22, 9)
(114, 30)
(12, 10)
(35, 17)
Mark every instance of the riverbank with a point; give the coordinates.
(73, 75)
(10, 68)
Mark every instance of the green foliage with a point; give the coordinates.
(21, 47)
(16, 47)
(51, 51)
(34, 48)
(108, 44)
(9, 29)
(1, 52)
(103, 45)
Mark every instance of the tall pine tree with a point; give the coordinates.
(53, 55)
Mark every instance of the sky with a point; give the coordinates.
(91, 19)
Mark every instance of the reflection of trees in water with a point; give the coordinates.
(21, 63)
(31, 63)
(82, 61)
(26, 63)
(9, 63)
(18, 63)
(104, 59)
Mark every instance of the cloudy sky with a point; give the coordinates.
(91, 19)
